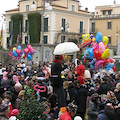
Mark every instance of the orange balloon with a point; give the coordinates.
(111, 60)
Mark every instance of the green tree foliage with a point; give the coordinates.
(17, 20)
(31, 108)
(34, 20)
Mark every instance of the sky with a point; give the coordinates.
(11, 4)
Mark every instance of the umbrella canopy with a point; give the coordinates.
(65, 48)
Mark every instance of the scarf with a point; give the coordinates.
(55, 60)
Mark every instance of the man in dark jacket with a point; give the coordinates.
(56, 80)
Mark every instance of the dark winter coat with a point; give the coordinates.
(92, 111)
(102, 116)
(117, 94)
(81, 100)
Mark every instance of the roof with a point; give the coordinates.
(16, 9)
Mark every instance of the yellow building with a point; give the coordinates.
(65, 22)
(106, 20)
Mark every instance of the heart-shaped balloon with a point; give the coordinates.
(32, 50)
(26, 50)
(29, 46)
(40, 88)
(18, 51)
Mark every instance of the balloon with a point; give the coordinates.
(35, 51)
(19, 47)
(14, 48)
(91, 36)
(29, 46)
(32, 50)
(29, 57)
(39, 88)
(92, 66)
(101, 47)
(88, 54)
(18, 51)
(105, 40)
(26, 50)
(98, 37)
(97, 54)
(85, 37)
(86, 43)
(98, 63)
(105, 54)
(105, 62)
(23, 56)
(93, 39)
(9, 54)
(109, 66)
(95, 46)
(110, 60)
(114, 69)
(15, 54)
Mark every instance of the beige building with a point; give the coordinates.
(65, 22)
(106, 20)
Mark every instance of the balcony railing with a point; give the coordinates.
(113, 16)
(93, 30)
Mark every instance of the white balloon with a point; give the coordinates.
(77, 118)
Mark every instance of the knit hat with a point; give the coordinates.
(14, 112)
(63, 109)
(3, 107)
(94, 96)
(77, 118)
(118, 86)
(15, 78)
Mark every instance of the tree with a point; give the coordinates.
(31, 108)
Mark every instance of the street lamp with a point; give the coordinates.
(49, 7)
(66, 27)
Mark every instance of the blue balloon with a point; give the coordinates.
(92, 66)
(92, 62)
(14, 53)
(19, 47)
(98, 37)
(29, 57)
(108, 66)
(35, 51)
(91, 36)
(89, 53)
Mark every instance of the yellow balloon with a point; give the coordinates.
(14, 48)
(93, 39)
(105, 40)
(85, 37)
(105, 54)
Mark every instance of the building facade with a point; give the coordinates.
(106, 20)
(65, 22)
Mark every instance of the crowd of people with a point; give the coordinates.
(72, 92)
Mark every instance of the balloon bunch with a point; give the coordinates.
(28, 52)
(98, 53)
(16, 54)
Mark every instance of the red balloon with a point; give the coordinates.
(111, 60)
(29, 46)
(32, 50)
(114, 69)
(97, 54)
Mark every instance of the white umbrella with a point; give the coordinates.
(65, 48)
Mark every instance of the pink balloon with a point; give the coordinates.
(26, 50)
(101, 47)
(18, 51)
(98, 63)
(38, 88)
(95, 46)
(29, 46)
(32, 50)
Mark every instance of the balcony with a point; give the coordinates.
(92, 31)
(81, 31)
(99, 17)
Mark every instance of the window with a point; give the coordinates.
(96, 12)
(45, 39)
(109, 12)
(104, 12)
(8, 43)
(93, 27)
(63, 38)
(81, 26)
(27, 7)
(109, 25)
(63, 24)
(26, 25)
(110, 39)
(72, 8)
(46, 24)
(10, 26)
